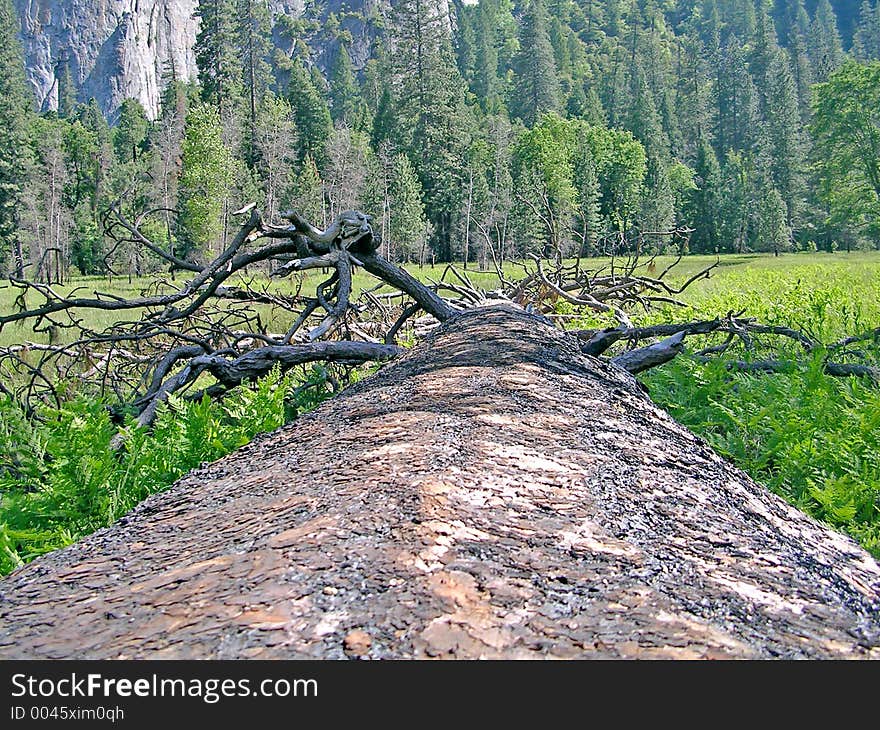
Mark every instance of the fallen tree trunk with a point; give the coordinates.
(492, 493)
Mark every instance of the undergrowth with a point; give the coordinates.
(811, 438)
(60, 480)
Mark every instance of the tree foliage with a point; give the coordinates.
(846, 127)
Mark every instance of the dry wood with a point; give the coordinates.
(178, 332)
(493, 493)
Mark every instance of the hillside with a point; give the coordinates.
(118, 49)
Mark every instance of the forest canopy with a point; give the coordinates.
(509, 128)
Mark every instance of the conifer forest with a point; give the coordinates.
(689, 188)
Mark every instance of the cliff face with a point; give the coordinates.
(118, 49)
(114, 49)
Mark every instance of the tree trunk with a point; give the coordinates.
(492, 493)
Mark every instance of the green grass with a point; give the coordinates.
(60, 479)
(812, 438)
(809, 437)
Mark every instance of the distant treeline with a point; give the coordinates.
(470, 132)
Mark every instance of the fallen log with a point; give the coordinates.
(492, 493)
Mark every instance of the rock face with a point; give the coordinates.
(493, 493)
(114, 49)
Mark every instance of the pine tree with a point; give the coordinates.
(536, 85)
(219, 64)
(588, 221)
(384, 124)
(771, 233)
(310, 114)
(407, 222)
(15, 115)
(784, 137)
(825, 46)
(642, 118)
(346, 105)
(431, 116)
(763, 49)
(130, 133)
(692, 89)
(737, 100)
(780, 136)
(658, 200)
(485, 84)
(703, 205)
(97, 163)
(254, 44)
(736, 203)
(166, 140)
(307, 193)
(800, 62)
(739, 16)
(66, 87)
(465, 45)
(866, 41)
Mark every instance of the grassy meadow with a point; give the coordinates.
(809, 437)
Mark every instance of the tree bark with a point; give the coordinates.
(492, 493)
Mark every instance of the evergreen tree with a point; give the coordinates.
(218, 61)
(166, 140)
(384, 124)
(465, 45)
(96, 162)
(307, 193)
(130, 134)
(15, 114)
(66, 87)
(310, 114)
(763, 49)
(692, 88)
(736, 206)
(587, 222)
(658, 200)
(800, 63)
(784, 138)
(771, 230)
(703, 206)
(346, 105)
(739, 16)
(736, 117)
(254, 45)
(431, 116)
(642, 119)
(485, 83)
(825, 46)
(536, 85)
(866, 41)
(407, 221)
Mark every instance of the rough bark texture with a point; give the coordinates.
(493, 493)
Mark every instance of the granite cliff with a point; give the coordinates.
(113, 49)
(118, 49)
